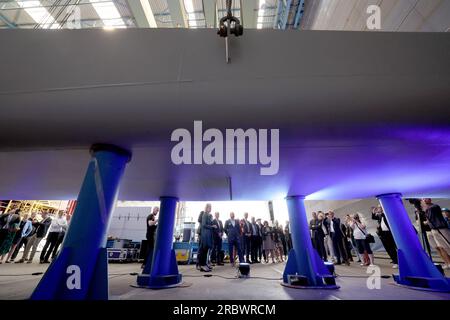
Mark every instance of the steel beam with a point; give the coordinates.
(178, 14)
(249, 10)
(143, 13)
(210, 8)
(9, 23)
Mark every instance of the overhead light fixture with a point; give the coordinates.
(39, 14)
(107, 11)
(261, 7)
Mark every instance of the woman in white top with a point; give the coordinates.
(360, 233)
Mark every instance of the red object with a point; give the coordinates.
(71, 207)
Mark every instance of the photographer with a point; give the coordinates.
(424, 229)
(360, 234)
(446, 213)
(439, 236)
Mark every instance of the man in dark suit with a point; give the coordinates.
(232, 230)
(384, 232)
(334, 225)
(254, 228)
(217, 239)
(35, 239)
(260, 250)
(247, 245)
(318, 235)
(314, 226)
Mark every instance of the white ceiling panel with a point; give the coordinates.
(396, 15)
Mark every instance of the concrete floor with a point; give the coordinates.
(17, 283)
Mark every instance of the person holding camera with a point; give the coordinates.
(446, 213)
(439, 236)
(360, 234)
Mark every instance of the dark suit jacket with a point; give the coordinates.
(327, 226)
(345, 230)
(336, 225)
(319, 230)
(42, 227)
(247, 228)
(4, 219)
(233, 233)
(379, 218)
(217, 231)
(314, 227)
(207, 231)
(258, 232)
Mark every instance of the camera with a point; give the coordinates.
(416, 203)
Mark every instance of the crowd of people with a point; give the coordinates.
(250, 241)
(433, 222)
(26, 230)
(335, 240)
(256, 241)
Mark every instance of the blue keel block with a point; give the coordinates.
(304, 268)
(148, 266)
(80, 271)
(63, 274)
(168, 279)
(48, 287)
(409, 278)
(416, 270)
(162, 271)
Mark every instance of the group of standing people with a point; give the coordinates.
(249, 240)
(19, 230)
(437, 229)
(253, 241)
(334, 240)
(329, 237)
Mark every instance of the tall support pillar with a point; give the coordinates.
(304, 268)
(162, 270)
(80, 271)
(415, 267)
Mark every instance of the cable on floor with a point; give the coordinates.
(22, 274)
(353, 276)
(41, 273)
(229, 278)
(124, 274)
